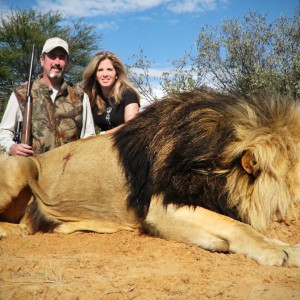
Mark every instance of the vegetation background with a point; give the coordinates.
(237, 56)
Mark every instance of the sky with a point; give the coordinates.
(163, 29)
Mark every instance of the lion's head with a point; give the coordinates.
(238, 157)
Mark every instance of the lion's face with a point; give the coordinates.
(267, 176)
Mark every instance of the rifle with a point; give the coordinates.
(26, 127)
(18, 130)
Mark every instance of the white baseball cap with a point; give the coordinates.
(53, 43)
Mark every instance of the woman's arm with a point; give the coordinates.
(131, 111)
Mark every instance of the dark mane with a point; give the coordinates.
(174, 148)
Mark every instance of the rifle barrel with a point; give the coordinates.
(26, 128)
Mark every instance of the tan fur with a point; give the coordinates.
(3, 155)
(82, 186)
(61, 171)
(272, 157)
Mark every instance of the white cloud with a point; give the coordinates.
(152, 72)
(155, 75)
(157, 92)
(107, 25)
(144, 19)
(93, 8)
(4, 9)
(192, 6)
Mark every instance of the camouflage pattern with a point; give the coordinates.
(53, 123)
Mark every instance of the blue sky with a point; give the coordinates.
(164, 29)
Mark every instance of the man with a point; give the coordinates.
(61, 111)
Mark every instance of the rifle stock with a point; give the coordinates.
(26, 126)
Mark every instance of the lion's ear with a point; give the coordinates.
(249, 163)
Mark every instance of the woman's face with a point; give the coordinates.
(106, 74)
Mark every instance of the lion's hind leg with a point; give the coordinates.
(8, 229)
(14, 193)
(216, 232)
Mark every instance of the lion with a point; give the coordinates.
(206, 169)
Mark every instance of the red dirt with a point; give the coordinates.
(127, 265)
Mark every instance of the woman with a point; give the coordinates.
(114, 100)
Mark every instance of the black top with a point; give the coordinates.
(114, 115)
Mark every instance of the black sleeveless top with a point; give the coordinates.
(114, 115)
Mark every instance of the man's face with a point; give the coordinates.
(55, 64)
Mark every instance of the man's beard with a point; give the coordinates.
(56, 75)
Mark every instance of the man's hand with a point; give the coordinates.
(21, 149)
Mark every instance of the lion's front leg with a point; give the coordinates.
(215, 232)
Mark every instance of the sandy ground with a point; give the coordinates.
(127, 265)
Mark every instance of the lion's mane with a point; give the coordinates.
(188, 148)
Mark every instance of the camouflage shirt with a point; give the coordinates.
(53, 123)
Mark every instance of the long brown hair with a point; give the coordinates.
(92, 87)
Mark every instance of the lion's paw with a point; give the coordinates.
(8, 229)
(277, 253)
(272, 257)
(293, 253)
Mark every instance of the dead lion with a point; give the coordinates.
(204, 169)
